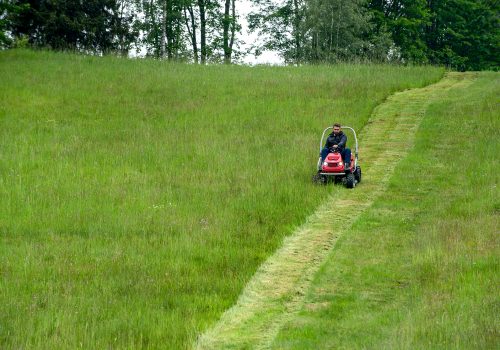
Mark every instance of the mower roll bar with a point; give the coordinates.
(343, 127)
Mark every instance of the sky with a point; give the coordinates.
(243, 8)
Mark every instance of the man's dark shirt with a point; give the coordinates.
(340, 140)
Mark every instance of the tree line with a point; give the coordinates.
(461, 34)
(197, 30)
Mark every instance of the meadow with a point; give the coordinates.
(419, 269)
(138, 196)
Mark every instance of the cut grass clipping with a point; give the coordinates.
(138, 197)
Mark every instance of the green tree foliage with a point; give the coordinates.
(163, 28)
(319, 30)
(342, 30)
(90, 26)
(279, 26)
(407, 21)
(9, 10)
(461, 34)
(464, 34)
(197, 30)
(221, 25)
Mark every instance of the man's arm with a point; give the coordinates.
(328, 143)
(343, 141)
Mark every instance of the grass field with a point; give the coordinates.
(420, 268)
(138, 197)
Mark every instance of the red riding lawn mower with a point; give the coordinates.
(332, 169)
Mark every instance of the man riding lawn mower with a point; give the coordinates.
(336, 162)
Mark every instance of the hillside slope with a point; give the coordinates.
(276, 292)
(139, 197)
(419, 269)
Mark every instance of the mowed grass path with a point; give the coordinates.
(276, 292)
(138, 197)
(420, 268)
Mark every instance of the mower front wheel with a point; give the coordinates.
(350, 181)
(319, 179)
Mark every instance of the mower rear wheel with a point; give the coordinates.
(357, 174)
(350, 181)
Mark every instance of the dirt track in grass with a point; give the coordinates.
(276, 292)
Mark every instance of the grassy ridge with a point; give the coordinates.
(419, 270)
(138, 196)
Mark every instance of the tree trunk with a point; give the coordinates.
(164, 29)
(177, 35)
(203, 31)
(296, 31)
(226, 23)
(338, 31)
(233, 29)
(191, 30)
(156, 48)
(170, 30)
(123, 51)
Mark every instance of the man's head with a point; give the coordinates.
(336, 128)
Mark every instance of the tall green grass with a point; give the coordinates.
(419, 270)
(138, 197)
